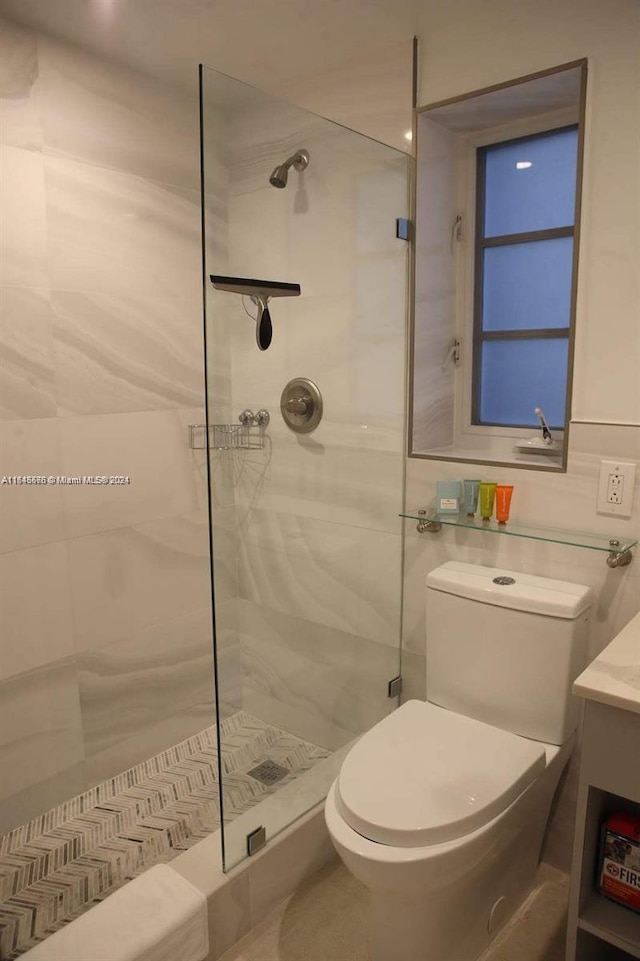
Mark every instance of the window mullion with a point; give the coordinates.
(532, 333)
(503, 240)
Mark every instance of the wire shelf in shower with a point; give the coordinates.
(226, 437)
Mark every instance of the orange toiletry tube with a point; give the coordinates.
(503, 502)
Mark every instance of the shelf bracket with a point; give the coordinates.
(427, 526)
(617, 558)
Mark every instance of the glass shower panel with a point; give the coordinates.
(306, 538)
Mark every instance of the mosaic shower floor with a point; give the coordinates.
(57, 866)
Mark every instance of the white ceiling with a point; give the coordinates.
(266, 42)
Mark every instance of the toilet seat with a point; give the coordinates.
(425, 775)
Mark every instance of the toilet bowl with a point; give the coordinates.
(444, 897)
(440, 809)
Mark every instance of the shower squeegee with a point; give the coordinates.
(254, 288)
(261, 291)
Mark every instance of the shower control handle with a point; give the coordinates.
(299, 405)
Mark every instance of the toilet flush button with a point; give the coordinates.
(504, 580)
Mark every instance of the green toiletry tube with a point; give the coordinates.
(487, 497)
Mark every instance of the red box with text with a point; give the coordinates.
(619, 870)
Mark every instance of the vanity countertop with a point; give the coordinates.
(614, 676)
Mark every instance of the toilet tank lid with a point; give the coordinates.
(521, 592)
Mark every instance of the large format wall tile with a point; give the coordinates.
(225, 554)
(19, 109)
(151, 448)
(435, 289)
(116, 118)
(23, 232)
(345, 473)
(114, 233)
(101, 371)
(371, 92)
(221, 324)
(22, 806)
(127, 689)
(333, 574)
(380, 198)
(347, 345)
(35, 608)
(30, 514)
(317, 514)
(167, 731)
(124, 581)
(197, 457)
(319, 683)
(40, 729)
(228, 658)
(262, 133)
(118, 352)
(27, 376)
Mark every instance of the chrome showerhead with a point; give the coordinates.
(299, 161)
(279, 176)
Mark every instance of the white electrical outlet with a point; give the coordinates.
(615, 490)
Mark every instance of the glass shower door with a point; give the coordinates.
(305, 530)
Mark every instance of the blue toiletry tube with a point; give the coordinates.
(471, 491)
(448, 497)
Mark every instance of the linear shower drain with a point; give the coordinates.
(268, 772)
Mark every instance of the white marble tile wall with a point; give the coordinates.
(435, 288)
(105, 624)
(320, 682)
(370, 91)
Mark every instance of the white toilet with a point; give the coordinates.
(440, 809)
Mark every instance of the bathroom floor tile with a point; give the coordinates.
(56, 867)
(327, 918)
(538, 931)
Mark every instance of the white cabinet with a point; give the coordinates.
(599, 929)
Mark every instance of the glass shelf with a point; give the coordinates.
(614, 545)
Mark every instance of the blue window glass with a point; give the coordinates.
(518, 375)
(540, 196)
(527, 286)
(524, 283)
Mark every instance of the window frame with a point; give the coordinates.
(492, 438)
(529, 103)
(480, 244)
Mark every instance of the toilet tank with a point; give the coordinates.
(505, 647)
